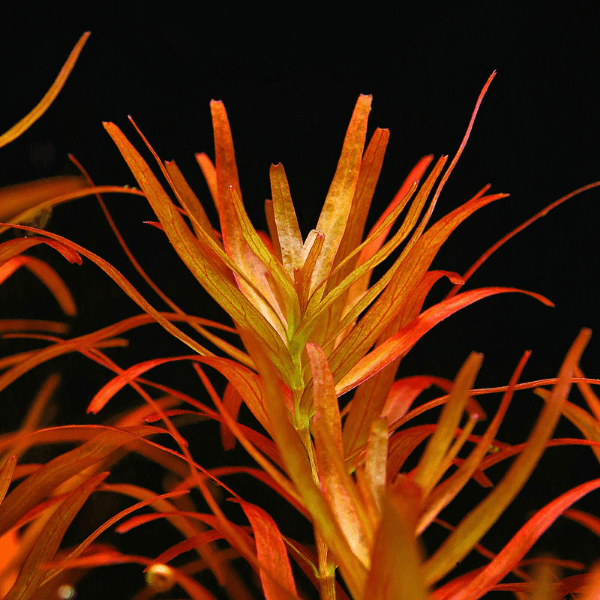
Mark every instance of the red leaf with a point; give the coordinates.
(409, 335)
(275, 570)
(512, 553)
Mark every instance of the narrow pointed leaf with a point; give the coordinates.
(317, 306)
(303, 275)
(17, 246)
(520, 544)
(235, 234)
(376, 459)
(19, 203)
(276, 570)
(338, 487)
(288, 230)
(587, 424)
(190, 201)
(204, 261)
(401, 342)
(370, 168)
(48, 477)
(275, 269)
(590, 522)
(32, 572)
(428, 473)
(6, 473)
(26, 122)
(52, 280)
(447, 491)
(395, 562)
(480, 519)
(368, 401)
(335, 211)
(226, 174)
(399, 283)
(244, 381)
(210, 174)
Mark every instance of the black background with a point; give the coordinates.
(289, 86)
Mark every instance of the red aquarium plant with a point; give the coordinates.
(313, 325)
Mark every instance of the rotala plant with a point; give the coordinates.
(331, 431)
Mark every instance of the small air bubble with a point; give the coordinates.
(160, 578)
(66, 592)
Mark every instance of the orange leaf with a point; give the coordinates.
(210, 174)
(303, 275)
(6, 473)
(235, 223)
(288, 230)
(32, 573)
(204, 257)
(21, 203)
(338, 487)
(189, 201)
(586, 423)
(590, 522)
(395, 561)
(288, 306)
(192, 543)
(428, 471)
(448, 490)
(335, 211)
(244, 381)
(232, 401)
(318, 305)
(480, 519)
(7, 325)
(17, 246)
(48, 477)
(368, 401)
(518, 546)
(26, 122)
(50, 278)
(226, 173)
(370, 168)
(50, 193)
(408, 336)
(275, 569)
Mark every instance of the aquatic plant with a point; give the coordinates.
(309, 326)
